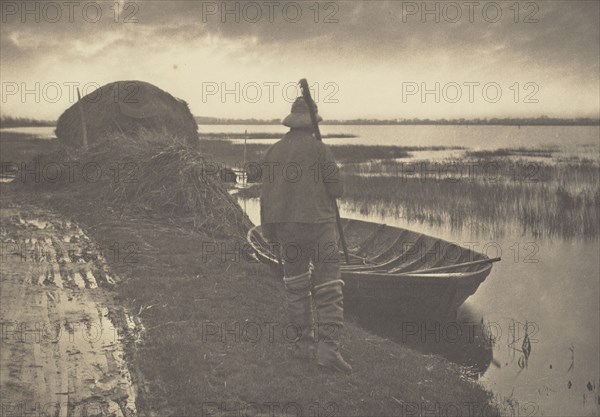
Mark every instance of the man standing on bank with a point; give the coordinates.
(300, 180)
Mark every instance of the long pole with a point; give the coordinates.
(82, 114)
(313, 117)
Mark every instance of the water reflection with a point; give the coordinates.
(466, 340)
(38, 132)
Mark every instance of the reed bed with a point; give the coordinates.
(572, 174)
(539, 210)
(543, 152)
(560, 197)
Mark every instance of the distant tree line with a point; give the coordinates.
(8, 121)
(530, 121)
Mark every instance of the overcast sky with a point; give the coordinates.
(369, 59)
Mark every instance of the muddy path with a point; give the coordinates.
(63, 339)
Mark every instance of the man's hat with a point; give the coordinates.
(300, 115)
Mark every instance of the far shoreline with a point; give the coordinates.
(20, 122)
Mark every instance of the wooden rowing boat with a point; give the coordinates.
(395, 270)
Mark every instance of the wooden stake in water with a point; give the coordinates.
(82, 114)
(245, 173)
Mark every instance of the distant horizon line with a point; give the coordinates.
(10, 121)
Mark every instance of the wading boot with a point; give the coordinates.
(299, 309)
(329, 302)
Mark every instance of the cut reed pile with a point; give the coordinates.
(146, 173)
(124, 107)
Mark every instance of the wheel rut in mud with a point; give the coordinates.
(62, 336)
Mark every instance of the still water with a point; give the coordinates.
(547, 288)
(38, 132)
(566, 141)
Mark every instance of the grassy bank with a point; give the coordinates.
(202, 301)
(196, 350)
(20, 147)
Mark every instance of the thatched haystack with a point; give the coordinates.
(159, 177)
(124, 107)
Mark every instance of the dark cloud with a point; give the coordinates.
(566, 31)
(563, 43)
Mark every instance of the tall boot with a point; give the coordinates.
(329, 301)
(299, 309)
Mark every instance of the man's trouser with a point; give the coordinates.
(311, 250)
